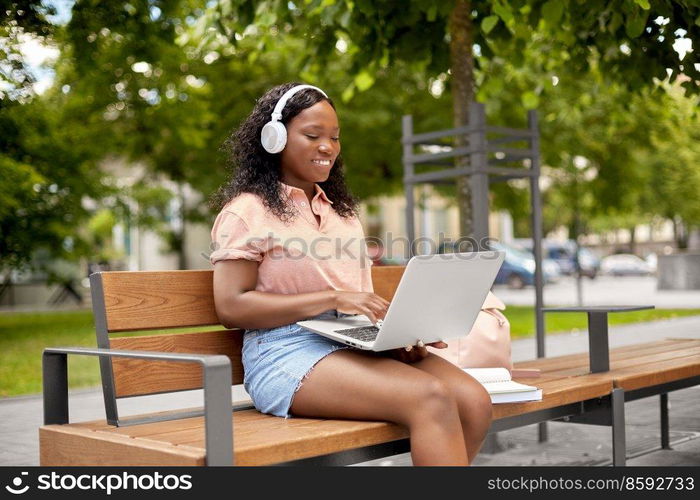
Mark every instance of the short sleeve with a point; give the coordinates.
(232, 239)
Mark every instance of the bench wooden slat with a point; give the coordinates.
(68, 445)
(637, 377)
(275, 439)
(135, 377)
(145, 300)
(263, 439)
(385, 280)
(148, 300)
(559, 362)
(327, 437)
(641, 360)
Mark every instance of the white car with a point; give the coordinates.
(625, 264)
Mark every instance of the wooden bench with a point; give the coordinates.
(216, 435)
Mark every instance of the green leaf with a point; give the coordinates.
(364, 80)
(267, 18)
(488, 24)
(615, 22)
(530, 100)
(348, 93)
(345, 18)
(503, 11)
(432, 13)
(552, 11)
(384, 61)
(634, 26)
(644, 4)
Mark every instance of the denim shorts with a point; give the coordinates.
(276, 361)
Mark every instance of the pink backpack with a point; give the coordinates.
(488, 343)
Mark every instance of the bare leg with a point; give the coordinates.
(473, 402)
(356, 385)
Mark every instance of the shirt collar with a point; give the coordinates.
(291, 189)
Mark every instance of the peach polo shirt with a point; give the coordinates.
(300, 256)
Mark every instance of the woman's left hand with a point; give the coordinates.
(412, 354)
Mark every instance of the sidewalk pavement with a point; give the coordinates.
(604, 290)
(569, 444)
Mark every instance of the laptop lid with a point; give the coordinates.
(438, 298)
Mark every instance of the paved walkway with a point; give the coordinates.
(604, 290)
(569, 444)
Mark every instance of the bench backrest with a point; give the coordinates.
(146, 300)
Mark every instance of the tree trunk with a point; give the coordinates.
(681, 234)
(462, 85)
(182, 256)
(633, 239)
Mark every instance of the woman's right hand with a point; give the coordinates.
(370, 304)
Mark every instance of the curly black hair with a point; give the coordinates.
(254, 170)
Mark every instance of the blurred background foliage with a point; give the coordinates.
(160, 84)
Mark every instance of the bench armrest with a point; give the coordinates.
(217, 391)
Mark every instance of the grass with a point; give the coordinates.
(522, 319)
(23, 337)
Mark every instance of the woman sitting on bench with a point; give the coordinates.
(288, 246)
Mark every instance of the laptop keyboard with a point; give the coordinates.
(364, 333)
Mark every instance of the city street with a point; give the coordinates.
(604, 290)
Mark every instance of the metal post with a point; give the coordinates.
(99, 312)
(537, 230)
(407, 134)
(479, 181)
(618, 427)
(217, 404)
(598, 352)
(55, 382)
(536, 202)
(665, 432)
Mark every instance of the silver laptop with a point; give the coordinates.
(438, 298)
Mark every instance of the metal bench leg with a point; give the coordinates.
(618, 427)
(665, 432)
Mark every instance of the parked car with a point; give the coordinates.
(653, 260)
(518, 269)
(625, 264)
(564, 253)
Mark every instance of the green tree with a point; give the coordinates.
(177, 127)
(672, 161)
(631, 47)
(44, 180)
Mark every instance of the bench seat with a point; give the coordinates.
(636, 366)
(263, 439)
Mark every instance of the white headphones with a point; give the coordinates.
(274, 134)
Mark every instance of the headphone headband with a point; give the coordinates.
(273, 135)
(277, 113)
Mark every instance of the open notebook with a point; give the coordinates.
(502, 388)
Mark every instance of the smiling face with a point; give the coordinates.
(313, 144)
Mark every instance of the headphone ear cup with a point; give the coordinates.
(273, 137)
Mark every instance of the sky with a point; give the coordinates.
(39, 56)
